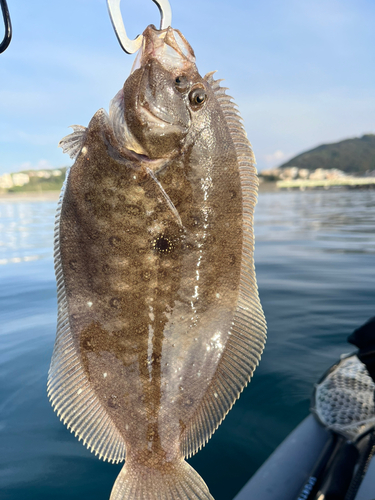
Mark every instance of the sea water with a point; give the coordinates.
(315, 263)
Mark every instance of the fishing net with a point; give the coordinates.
(344, 399)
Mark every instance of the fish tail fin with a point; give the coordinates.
(176, 481)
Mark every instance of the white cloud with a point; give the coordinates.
(277, 156)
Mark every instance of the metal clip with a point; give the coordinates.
(131, 46)
(8, 26)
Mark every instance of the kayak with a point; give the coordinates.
(331, 454)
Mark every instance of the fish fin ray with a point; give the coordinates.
(72, 143)
(247, 334)
(179, 482)
(68, 387)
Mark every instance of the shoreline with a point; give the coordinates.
(31, 196)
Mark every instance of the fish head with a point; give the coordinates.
(162, 93)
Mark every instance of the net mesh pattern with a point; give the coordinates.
(345, 399)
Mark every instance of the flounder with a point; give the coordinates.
(159, 321)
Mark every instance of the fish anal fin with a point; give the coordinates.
(177, 481)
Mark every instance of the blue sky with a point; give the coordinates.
(301, 71)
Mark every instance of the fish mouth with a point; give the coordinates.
(150, 116)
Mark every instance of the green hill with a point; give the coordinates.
(355, 156)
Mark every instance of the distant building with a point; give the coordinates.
(6, 181)
(20, 179)
(44, 174)
(289, 173)
(303, 173)
(327, 173)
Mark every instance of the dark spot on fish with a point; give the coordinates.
(146, 275)
(104, 209)
(162, 244)
(112, 401)
(115, 302)
(86, 344)
(162, 272)
(232, 259)
(232, 194)
(156, 358)
(88, 196)
(193, 221)
(115, 241)
(189, 246)
(151, 433)
(133, 210)
(188, 402)
(73, 265)
(132, 230)
(94, 235)
(106, 269)
(182, 426)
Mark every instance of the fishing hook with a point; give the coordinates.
(8, 26)
(131, 46)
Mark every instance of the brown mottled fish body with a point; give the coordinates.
(160, 326)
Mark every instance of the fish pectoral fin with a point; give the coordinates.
(175, 481)
(72, 143)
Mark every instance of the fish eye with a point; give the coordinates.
(197, 97)
(182, 83)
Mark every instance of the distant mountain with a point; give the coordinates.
(355, 156)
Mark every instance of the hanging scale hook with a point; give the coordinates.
(131, 46)
(8, 26)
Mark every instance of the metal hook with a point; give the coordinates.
(8, 26)
(131, 46)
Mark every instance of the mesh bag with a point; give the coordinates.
(344, 398)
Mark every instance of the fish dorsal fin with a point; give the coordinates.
(68, 386)
(72, 143)
(248, 331)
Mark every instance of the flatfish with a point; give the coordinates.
(159, 321)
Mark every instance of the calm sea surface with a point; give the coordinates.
(315, 261)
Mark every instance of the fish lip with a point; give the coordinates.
(145, 110)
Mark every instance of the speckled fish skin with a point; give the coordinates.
(160, 325)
